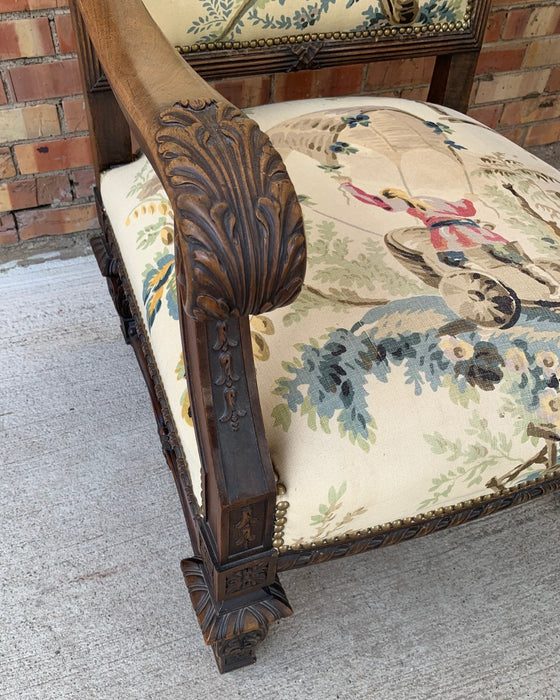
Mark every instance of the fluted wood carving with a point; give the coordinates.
(234, 634)
(239, 219)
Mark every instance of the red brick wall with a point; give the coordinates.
(45, 160)
(517, 90)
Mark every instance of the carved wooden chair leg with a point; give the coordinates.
(234, 627)
(233, 586)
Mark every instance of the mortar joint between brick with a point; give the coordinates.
(536, 122)
(35, 103)
(15, 160)
(44, 101)
(523, 130)
(32, 14)
(61, 117)
(11, 16)
(527, 5)
(54, 35)
(37, 60)
(82, 201)
(7, 89)
(72, 186)
(501, 108)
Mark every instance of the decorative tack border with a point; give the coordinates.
(439, 27)
(393, 31)
(422, 524)
(279, 525)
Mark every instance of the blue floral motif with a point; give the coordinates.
(444, 129)
(342, 147)
(373, 17)
(331, 378)
(438, 127)
(281, 22)
(306, 16)
(437, 11)
(358, 120)
(454, 145)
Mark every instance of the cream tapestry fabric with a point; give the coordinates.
(202, 21)
(420, 365)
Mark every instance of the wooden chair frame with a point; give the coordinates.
(135, 81)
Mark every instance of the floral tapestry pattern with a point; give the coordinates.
(205, 21)
(492, 328)
(420, 365)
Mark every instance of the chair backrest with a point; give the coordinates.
(224, 38)
(235, 38)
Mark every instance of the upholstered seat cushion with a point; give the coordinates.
(420, 365)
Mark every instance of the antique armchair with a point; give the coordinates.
(408, 379)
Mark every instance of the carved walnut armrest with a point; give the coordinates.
(237, 213)
(240, 250)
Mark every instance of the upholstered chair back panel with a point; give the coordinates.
(196, 23)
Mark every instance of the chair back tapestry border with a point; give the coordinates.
(455, 27)
(243, 23)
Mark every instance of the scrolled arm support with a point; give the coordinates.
(240, 250)
(238, 217)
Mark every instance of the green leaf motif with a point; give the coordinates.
(328, 520)
(140, 179)
(282, 416)
(149, 234)
(475, 458)
(326, 511)
(461, 395)
(354, 278)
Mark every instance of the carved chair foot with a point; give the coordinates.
(233, 628)
(237, 652)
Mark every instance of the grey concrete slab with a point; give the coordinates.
(91, 535)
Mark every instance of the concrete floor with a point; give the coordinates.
(91, 534)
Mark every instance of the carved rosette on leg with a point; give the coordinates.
(235, 627)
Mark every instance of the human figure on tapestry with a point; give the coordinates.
(455, 235)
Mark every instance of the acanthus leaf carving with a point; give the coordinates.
(239, 219)
(240, 624)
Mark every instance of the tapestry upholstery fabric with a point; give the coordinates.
(419, 368)
(208, 21)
